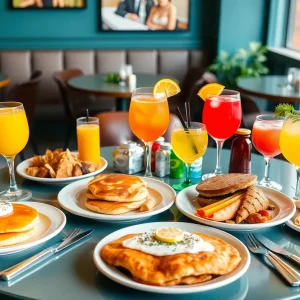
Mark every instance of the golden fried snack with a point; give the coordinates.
(184, 268)
(117, 187)
(32, 171)
(23, 218)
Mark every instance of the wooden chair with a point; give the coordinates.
(61, 78)
(27, 93)
(115, 129)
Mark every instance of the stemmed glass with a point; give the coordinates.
(148, 118)
(265, 137)
(14, 134)
(188, 144)
(290, 145)
(222, 116)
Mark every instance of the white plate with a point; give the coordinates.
(21, 170)
(284, 210)
(52, 221)
(119, 277)
(72, 198)
(291, 223)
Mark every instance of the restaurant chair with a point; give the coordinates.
(250, 110)
(69, 103)
(27, 93)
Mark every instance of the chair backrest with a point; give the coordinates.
(115, 129)
(27, 93)
(249, 106)
(61, 78)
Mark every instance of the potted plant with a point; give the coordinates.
(248, 62)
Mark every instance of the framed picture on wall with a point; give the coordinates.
(144, 15)
(47, 4)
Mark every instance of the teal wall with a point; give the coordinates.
(242, 21)
(78, 29)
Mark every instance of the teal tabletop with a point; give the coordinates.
(271, 87)
(73, 274)
(4, 80)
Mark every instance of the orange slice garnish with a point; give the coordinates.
(210, 89)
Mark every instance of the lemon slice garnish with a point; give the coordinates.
(169, 234)
(210, 89)
(167, 86)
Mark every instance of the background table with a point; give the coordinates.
(4, 80)
(73, 275)
(269, 87)
(96, 85)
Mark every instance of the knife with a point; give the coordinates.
(276, 248)
(15, 270)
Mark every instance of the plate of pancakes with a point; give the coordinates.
(179, 273)
(234, 202)
(117, 197)
(28, 225)
(59, 167)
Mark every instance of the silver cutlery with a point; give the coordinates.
(289, 273)
(15, 270)
(276, 248)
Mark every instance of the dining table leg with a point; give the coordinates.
(122, 104)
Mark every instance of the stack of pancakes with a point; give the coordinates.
(18, 226)
(115, 194)
(250, 199)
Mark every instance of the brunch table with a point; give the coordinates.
(96, 85)
(73, 275)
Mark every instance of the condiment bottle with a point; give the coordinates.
(155, 147)
(240, 157)
(162, 160)
(176, 166)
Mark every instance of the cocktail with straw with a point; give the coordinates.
(189, 141)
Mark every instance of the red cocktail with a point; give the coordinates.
(265, 137)
(222, 116)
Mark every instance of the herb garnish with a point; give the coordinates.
(284, 110)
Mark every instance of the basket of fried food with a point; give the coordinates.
(59, 164)
(233, 198)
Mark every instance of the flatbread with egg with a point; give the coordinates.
(184, 268)
(117, 188)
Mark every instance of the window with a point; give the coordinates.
(293, 34)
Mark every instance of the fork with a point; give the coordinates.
(290, 274)
(72, 233)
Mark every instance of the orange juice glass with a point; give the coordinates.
(148, 118)
(14, 135)
(88, 139)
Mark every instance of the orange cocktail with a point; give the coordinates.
(148, 117)
(88, 139)
(14, 131)
(14, 135)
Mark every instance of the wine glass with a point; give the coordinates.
(189, 144)
(14, 134)
(290, 145)
(265, 137)
(222, 116)
(148, 118)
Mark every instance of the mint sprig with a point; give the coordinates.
(283, 110)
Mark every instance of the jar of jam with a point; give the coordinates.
(240, 157)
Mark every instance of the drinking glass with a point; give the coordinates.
(14, 134)
(290, 146)
(148, 118)
(188, 145)
(222, 116)
(88, 139)
(265, 138)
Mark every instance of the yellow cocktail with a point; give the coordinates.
(148, 118)
(88, 139)
(189, 144)
(14, 135)
(290, 141)
(290, 145)
(14, 131)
